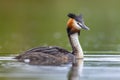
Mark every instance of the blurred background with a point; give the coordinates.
(30, 23)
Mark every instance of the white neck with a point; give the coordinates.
(76, 47)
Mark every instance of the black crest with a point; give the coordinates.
(71, 15)
(77, 18)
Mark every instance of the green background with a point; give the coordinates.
(30, 23)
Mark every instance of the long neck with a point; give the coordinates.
(75, 44)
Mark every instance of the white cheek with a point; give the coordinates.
(76, 25)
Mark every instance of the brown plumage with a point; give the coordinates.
(71, 26)
(51, 55)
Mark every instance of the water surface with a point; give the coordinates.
(93, 67)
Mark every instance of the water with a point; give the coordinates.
(94, 67)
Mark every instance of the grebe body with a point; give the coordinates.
(53, 55)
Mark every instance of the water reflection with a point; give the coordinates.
(11, 69)
(94, 67)
(76, 70)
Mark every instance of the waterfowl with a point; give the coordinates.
(53, 55)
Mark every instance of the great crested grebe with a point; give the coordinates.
(53, 55)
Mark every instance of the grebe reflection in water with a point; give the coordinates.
(76, 70)
(53, 55)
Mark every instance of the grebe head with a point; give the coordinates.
(75, 23)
